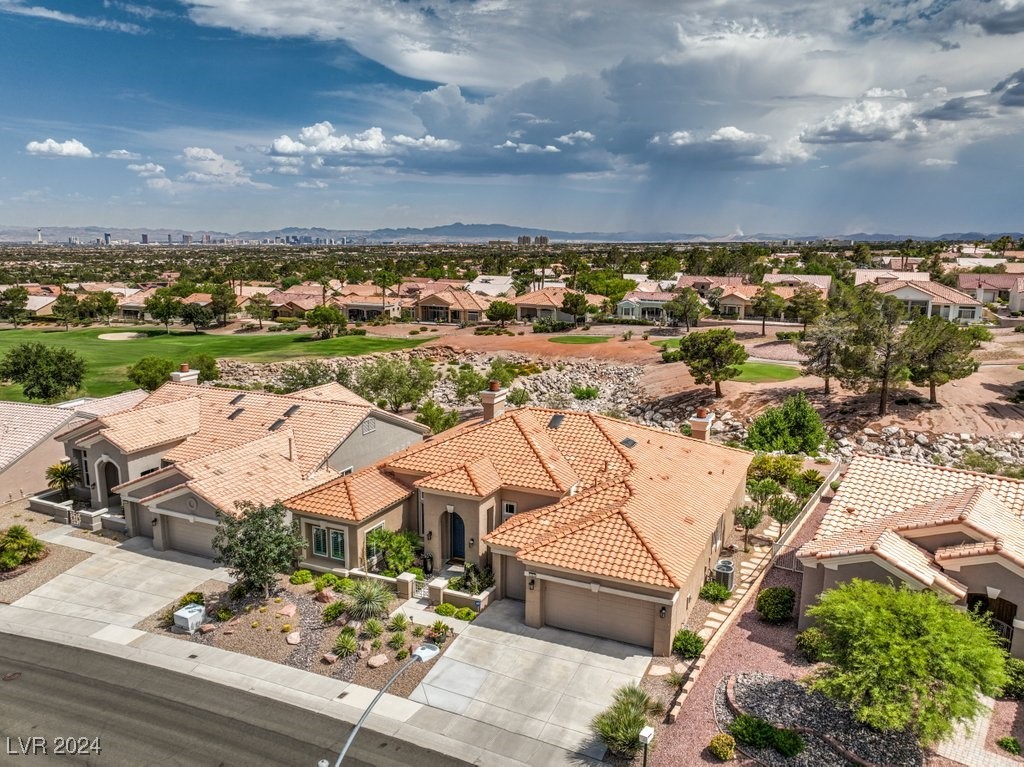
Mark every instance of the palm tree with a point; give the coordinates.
(63, 476)
(18, 546)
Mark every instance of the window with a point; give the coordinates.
(347, 471)
(369, 425)
(372, 552)
(338, 545)
(508, 508)
(319, 542)
(967, 312)
(83, 465)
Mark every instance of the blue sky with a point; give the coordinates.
(703, 116)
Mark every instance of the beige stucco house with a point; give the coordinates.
(934, 299)
(958, 533)
(172, 461)
(598, 525)
(546, 304)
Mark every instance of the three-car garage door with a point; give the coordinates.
(190, 537)
(605, 615)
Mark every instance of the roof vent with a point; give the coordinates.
(556, 421)
(235, 414)
(291, 411)
(277, 424)
(237, 398)
(628, 442)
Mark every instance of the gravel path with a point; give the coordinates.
(57, 560)
(1007, 719)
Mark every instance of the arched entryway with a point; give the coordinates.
(457, 537)
(111, 479)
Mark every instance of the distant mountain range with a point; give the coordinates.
(457, 232)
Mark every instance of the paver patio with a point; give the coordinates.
(546, 684)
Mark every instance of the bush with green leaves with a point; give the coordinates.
(1014, 687)
(793, 427)
(752, 731)
(723, 747)
(418, 572)
(192, 598)
(397, 640)
(518, 397)
(781, 468)
(687, 644)
(474, 580)
(619, 725)
(397, 548)
(446, 609)
(346, 645)
(373, 628)
(714, 592)
(787, 742)
(343, 585)
(810, 643)
(418, 631)
(333, 611)
(1009, 744)
(398, 622)
(465, 614)
(239, 590)
(369, 599)
(585, 392)
(301, 578)
(18, 547)
(225, 613)
(775, 604)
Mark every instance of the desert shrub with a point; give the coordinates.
(810, 643)
(239, 590)
(446, 609)
(834, 484)
(619, 725)
(398, 622)
(376, 644)
(775, 604)
(812, 477)
(333, 611)
(714, 592)
(723, 746)
(286, 628)
(418, 631)
(225, 613)
(192, 598)
(346, 645)
(781, 468)
(674, 679)
(465, 614)
(396, 640)
(18, 546)
(1009, 744)
(301, 577)
(790, 336)
(978, 333)
(369, 599)
(439, 631)
(551, 326)
(402, 654)
(518, 397)
(1014, 687)
(793, 427)
(752, 731)
(344, 585)
(687, 643)
(373, 628)
(585, 392)
(473, 581)
(787, 742)
(801, 488)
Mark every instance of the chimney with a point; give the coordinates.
(700, 424)
(185, 376)
(493, 400)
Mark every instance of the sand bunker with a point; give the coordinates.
(120, 336)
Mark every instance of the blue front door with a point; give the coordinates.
(458, 537)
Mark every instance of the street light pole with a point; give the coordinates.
(422, 653)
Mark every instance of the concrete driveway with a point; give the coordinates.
(121, 585)
(546, 684)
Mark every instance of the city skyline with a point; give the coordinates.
(210, 114)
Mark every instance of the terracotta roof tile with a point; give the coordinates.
(23, 426)
(934, 289)
(353, 497)
(477, 478)
(552, 297)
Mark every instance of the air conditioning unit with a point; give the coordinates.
(189, 618)
(725, 573)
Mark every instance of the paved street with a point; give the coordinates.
(149, 716)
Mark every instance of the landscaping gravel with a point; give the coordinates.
(18, 513)
(57, 560)
(785, 703)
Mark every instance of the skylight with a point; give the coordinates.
(237, 398)
(628, 442)
(235, 414)
(291, 411)
(556, 421)
(277, 424)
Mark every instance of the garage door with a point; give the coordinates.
(191, 537)
(144, 521)
(515, 580)
(604, 615)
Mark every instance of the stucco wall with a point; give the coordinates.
(188, 503)
(27, 475)
(360, 449)
(437, 524)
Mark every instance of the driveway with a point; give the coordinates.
(121, 585)
(546, 684)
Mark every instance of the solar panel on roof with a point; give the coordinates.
(235, 414)
(628, 442)
(277, 424)
(556, 421)
(237, 398)
(291, 411)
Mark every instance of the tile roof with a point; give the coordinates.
(823, 281)
(330, 392)
(991, 281)
(860, 276)
(458, 299)
(934, 289)
(477, 478)
(747, 292)
(641, 295)
(24, 426)
(353, 497)
(115, 403)
(689, 280)
(197, 298)
(552, 297)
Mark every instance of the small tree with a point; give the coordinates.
(65, 308)
(468, 383)
(256, 543)
(903, 658)
(806, 304)
(518, 397)
(688, 307)
(206, 364)
(222, 302)
(877, 356)
(761, 491)
(105, 305)
(767, 303)
(394, 381)
(938, 351)
(44, 372)
(823, 344)
(575, 304)
(305, 374)
(63, 476)
(436, 417)
(748, 517)
(793, 427)
(712, 356)
(501, 312)
(259, 308)
(13, 303)
(164, 307)
(196, 315)
(783, 510)
(151, 372)
(328, 319)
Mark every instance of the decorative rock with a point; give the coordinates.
(658, 671)
(287, 611)
(377, 661)
(870, 432)
(324, 597)
(679, 668)
(293, 638)
(363, 654)
(206, 628)
(329, 658)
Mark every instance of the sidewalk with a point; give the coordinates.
(450, 734)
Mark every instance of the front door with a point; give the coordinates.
(458, 537)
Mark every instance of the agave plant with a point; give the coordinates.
(369, 599)
(63, 476)
(346, 645)
(398, 622)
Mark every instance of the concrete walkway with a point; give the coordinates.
(56, 613)
(968, 747)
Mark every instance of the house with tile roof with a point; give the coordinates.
(452, 306)
(703, 283)
(738, 300)
(546, 304)
(988, 288)
(934, 299)
(956, 532)
(597, 525)
(187, 452)
(643, 305)
(879, 276)
(821, 281)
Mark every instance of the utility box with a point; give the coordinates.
(189, 618)
(725, 573)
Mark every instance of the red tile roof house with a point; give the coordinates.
(547, 304)
(986, 288)
(598, 525)
(186, 452)
(955, 532)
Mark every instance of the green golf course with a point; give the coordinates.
(579, 339)
(766, 372)
(106, 360)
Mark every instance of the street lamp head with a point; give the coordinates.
(647, 735)
(428, 651)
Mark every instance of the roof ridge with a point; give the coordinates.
(588, 520)
(530, 440)
(643, 539)
(936, 467)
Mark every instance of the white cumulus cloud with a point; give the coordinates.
(70, 148)
(864, 121)
(122, 154)
(147, 170)
(209, 168)
(935, 162)
(576, 135)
